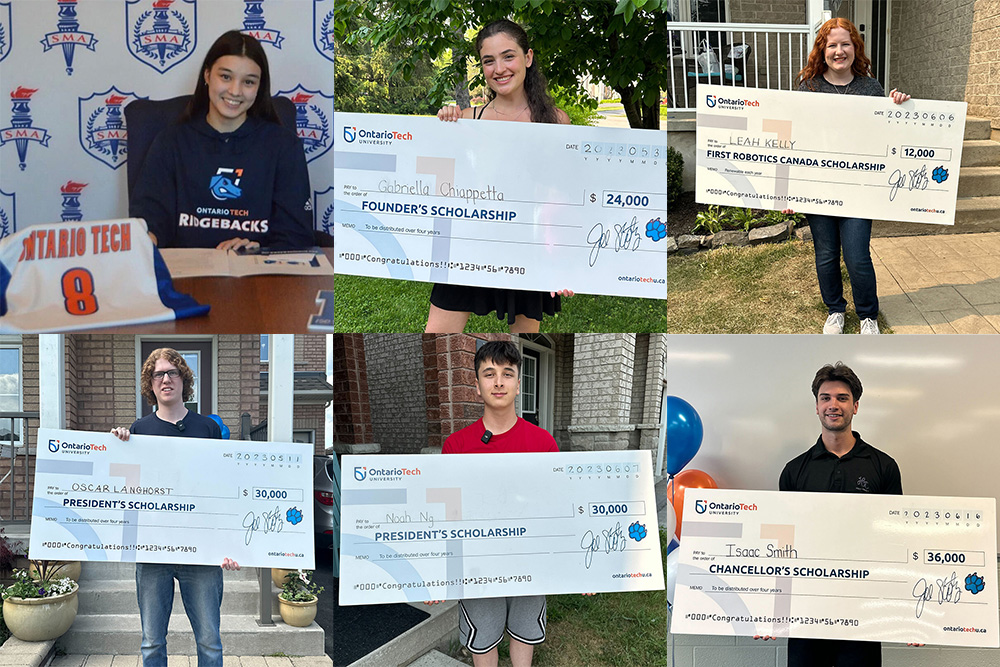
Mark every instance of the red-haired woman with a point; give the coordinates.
(837, 65)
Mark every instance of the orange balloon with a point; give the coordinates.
(686, 479)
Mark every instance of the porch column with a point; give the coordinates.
(280, 387)
(603, 366)
(352, 416)
(52, 380)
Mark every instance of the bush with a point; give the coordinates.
(675, 176)
(580, 107)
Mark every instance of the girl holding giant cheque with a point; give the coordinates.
(517, 91)
(837, 65)
(227, 175)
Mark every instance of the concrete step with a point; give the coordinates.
(977, 128)
(979, 181)
(436, 659)
(112, 596)
(980, 153)
(434, 632)
(122, 634)
(126, 571)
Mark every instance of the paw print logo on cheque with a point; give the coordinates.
(656, 229)
(940, 174)
(293, 516)
(637, 531)
(974, 583)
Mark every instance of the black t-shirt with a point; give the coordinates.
(195, 426)
(864, 469)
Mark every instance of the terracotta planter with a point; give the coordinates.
(278, 576)
(71, 569)
(297, 614)
(41, 619)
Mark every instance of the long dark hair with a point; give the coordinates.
(543, 109)
(234, 43)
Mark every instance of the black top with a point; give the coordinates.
(199, 187)
(859, 85)
(195, 426)
(864, 469)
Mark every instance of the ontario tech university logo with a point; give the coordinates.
(102, 132)
(21, 131)
(323, 27)
(8, 220)
(359, 473)
(68, 34)
(71, 193)
(350, 134)
(323, 210)
(313, 111)
(6, 36)
(223, 186)
(159, 34)
(254, 24)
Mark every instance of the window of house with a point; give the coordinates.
(264, 349)
(701, 11)
(10, 393)
(307, 436)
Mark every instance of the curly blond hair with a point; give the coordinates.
(174, 357)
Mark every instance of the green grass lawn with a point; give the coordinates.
(386, 305)
(759, 289)
(606, 630)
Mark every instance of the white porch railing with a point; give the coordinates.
(747, 55)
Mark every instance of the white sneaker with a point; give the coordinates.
(835, 324)
(869, 327)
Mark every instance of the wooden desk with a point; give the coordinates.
(255, 304)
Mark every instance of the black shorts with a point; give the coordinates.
(833, 653)
(481, 621)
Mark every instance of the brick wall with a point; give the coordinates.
(105, 381)
(767, 11)
(432, 395)
(655, 379)
(929, 50)
(238, 371)
(983, 90)
(602, 391)
(563, 408)
(459, 404)
(396, 384)
(352, 422)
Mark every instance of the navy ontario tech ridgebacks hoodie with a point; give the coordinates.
(199, 187)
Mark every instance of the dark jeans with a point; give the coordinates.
(833, 653)
(853, 235)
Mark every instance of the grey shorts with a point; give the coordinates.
(481, 621)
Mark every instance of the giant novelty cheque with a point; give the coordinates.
(848, 156)
(418, 527)
(518, 205)
(156, 499)
(888, 568)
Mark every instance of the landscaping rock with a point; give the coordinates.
(706, 241)
(671, 245)
(737, 238)
(804, 234)
(688, 242)
(772, 234)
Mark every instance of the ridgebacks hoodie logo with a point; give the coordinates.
(225, 185)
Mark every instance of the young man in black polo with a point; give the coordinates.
(839, 462)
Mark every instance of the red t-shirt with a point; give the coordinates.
(522, 437)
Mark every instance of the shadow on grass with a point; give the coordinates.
(766, 289)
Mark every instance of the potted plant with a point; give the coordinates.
(62, 568)
(40, 610)
(278, 575)
(10, 553)
(298, 598)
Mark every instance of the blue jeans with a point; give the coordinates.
(201, 592)
(853, 235)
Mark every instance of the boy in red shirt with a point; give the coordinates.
(482, 620)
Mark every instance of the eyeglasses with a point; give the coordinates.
(173, 374)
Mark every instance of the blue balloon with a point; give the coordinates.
(225, 429)
(684, 434)
(673, 545)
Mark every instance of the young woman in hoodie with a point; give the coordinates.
(228, 175)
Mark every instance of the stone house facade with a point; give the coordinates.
(405, 393)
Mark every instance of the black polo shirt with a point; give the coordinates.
(864, 469)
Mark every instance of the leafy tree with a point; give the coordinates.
(623, 43)
(367, 80)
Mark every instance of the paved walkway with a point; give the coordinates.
(939, 284)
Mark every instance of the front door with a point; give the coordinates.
(872, 19)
